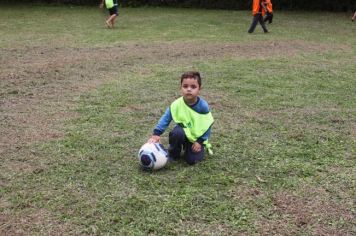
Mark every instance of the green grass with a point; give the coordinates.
(284, 135)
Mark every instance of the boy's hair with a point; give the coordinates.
(191, 75)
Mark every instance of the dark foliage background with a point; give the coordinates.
(321, 5)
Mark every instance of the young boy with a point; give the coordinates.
(193, 121)
(258, 12)
(112, 6)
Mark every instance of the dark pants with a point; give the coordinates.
(177, 142)
(268, 17)
(257, 18)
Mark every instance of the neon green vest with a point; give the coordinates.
(109, 4)
(193, 123)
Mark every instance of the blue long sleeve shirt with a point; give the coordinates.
(201, 106)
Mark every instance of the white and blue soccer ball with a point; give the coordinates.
(152, 156)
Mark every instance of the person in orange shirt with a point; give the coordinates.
(258, 12)
(267, 5)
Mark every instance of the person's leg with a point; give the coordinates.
(354, 16)
(108, 23)
(270, 18)
(260, 19)
(114, 14)
(254, 23)
(193, 157)
(265, 19)
(176, 141)
(112, 20)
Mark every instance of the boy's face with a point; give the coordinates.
(190, 90)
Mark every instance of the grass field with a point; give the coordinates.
(78, 100)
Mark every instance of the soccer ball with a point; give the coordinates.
(152, 156)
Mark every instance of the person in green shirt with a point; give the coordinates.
(112, 7)
(193, 120)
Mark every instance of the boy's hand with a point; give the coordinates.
(154, 139)
(196, 147)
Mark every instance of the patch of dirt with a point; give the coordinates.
(312, 213)
(245, 194)
(39, 222)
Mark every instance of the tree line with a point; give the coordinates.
(312, 5)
